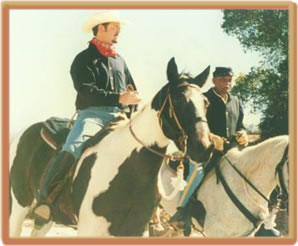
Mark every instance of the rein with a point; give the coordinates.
(170, 157)
(279, 171)
(172, 113)
(183, 142)
(247, 180)
(179, 182)
(180, 158)
(255, 221)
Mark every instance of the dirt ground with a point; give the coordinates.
(56, 230)
(62, 231)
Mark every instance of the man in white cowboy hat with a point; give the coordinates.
(101, 79)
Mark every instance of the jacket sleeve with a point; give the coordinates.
(128, 77)
(240, 125)
(130, 81)
(85, 83)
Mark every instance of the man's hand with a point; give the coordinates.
(129, 98)
(242, 138)
(217, 141)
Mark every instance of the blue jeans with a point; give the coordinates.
(87, 124)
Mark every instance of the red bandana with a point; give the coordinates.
(104, 49)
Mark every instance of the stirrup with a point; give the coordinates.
(42, 214)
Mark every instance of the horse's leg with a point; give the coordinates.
(156, 219)
(156, 228)
(147, 231)
(17, 217)
(41, 231)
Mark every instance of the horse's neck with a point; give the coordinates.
(146, 127)
(258, 163)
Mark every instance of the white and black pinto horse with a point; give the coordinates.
(114, 190)
(216, 212)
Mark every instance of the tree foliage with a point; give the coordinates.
(264, 87)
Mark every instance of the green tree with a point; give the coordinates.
(265, 87)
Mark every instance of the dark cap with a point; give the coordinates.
(223, 71)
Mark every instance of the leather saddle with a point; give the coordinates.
(55, 131)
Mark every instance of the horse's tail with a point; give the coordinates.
(14, 142)
(20, 193)
(26, 165)
(12, 155)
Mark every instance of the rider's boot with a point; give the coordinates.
(52, 184)
(182, 218)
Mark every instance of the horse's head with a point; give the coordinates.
(182, 113)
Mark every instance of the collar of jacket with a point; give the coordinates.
(215, 95)
(96, 54)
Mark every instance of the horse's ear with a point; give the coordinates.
(172, 71)
(201, 79)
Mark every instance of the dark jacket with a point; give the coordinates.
(99, 80)
(224, 119)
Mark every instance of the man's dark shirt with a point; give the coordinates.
(224, 119)
(99, 80)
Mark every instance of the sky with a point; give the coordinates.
(43, 44)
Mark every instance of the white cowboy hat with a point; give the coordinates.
(102, 17)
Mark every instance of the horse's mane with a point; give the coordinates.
(186, 79)
(185, 76)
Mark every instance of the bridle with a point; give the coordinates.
(172, 114)
(281, 199)
(183, 136)
(279, 170)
